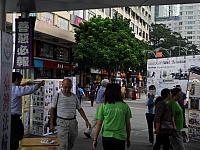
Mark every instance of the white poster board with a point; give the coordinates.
(168, 72)
(5, 88)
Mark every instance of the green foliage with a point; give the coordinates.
(173, 43)
(108, 44)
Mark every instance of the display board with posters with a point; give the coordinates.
(169, 72)
(41, 102)
(194, 103)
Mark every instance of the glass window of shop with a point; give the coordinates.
(61, 53)
(43, 73)
(63, 23)
(44, 50)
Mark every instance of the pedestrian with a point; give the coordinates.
(113, 118)
(181, 102)
(18, 90)
(66, 103)
(163, 121)
(81, 92)
(150, 113)
(92, 93)
(123, 90)
(176, 139)
(99, 101)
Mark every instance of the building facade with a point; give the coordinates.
(190, 22)
(187, 23)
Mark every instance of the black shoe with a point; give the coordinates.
(87, 135)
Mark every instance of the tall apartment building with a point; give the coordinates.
(166, 10)
(187, 23)
(141, 18)
(190, 22)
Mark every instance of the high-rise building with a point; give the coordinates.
(190, 22)
(141, 18)
(166, 10)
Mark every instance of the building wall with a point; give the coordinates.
(190, 22)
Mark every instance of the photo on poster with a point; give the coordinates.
(194, 102)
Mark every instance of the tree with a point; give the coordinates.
(161, 36)
(108, 44)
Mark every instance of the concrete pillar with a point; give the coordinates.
(2, 15)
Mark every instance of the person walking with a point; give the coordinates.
(163, 121)
(92, 93)
(66, 103)
(150, 114)
(176, 139)
(99, 101)
(113, 118)
(18, 90)
(80, 93)
(181, 102)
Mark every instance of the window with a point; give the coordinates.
(108, 11)
(78, 13)
(189, 32)
(63, 23)
(47, 18)
(188, 27)
(189, 37)
(113, 12)
(143, 35)
(147, 36)
(191, 22)
(132, 26)
(189, 12)
(190, 17)
(90, 15)
(180, 23)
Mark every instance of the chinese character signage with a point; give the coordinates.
(5, 88)
(24, 43)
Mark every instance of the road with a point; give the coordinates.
(139, 134)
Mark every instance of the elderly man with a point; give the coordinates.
(19, 90)
(67, 125)
(99, 100)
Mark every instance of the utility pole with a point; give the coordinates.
(2, 15)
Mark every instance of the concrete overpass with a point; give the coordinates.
(58, 5)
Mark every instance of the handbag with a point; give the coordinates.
(53, 116)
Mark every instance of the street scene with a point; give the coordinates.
(99, 75)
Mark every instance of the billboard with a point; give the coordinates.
(168, 72)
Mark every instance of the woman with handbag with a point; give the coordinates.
(163, 121)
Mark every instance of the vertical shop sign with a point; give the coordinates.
(24, 43)
(5, 88)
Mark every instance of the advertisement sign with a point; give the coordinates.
(194, 124)
(5, 88)
(169, 72)
(24, 43)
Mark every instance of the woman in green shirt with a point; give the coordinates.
(113, 118)
(176, 139)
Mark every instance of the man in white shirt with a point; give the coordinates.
(67, 103)
(19, 90)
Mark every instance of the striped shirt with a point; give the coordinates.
(66, 105)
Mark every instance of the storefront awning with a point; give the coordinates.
(61, 5)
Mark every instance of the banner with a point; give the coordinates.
(5, 88)
(24, 43)
(169, 72)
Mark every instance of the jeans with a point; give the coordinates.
(67, 133)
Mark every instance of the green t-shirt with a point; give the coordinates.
(114, 117)
(177, 113)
